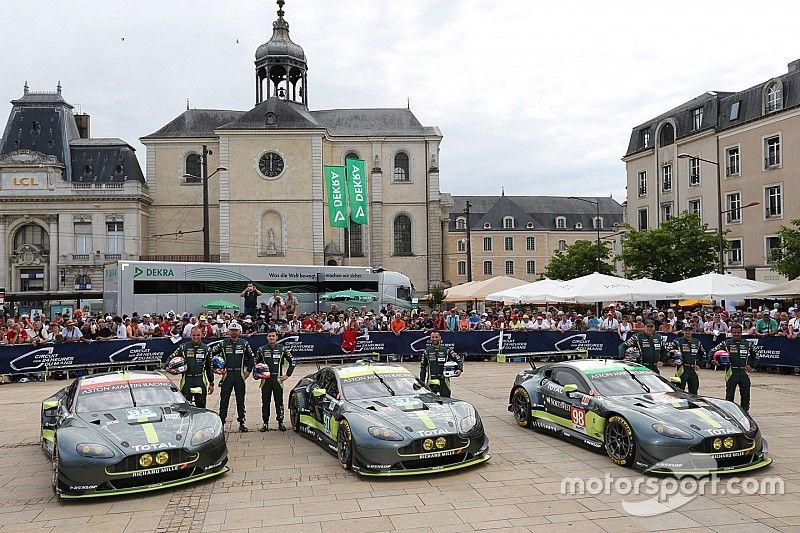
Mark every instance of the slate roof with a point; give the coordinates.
(195, 123)
(541, 210)
(366, 122)
(288, 115)
(105, 163)
(751, 106)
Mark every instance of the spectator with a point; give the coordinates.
(250, 295)
(624, 328)
(474, 319)
(515, 324)
(439, 322)
(592, 322)
(766, 325)
(16, 334)
(610, 322)
(638, 325)
(539, 324)
(565, 324)
(463, 322)
(292, 305)
(715, 326)
(277, 307)
(398, 324)
(146, 326)
(747, 327)
(452, 319)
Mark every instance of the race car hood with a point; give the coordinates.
(138, 429)
(418, 414)
(691, 413)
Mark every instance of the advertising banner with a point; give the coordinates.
(357, 190)
(337, 195)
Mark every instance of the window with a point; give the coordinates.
(401, 167)
(773, 249)
(530, 266)
(487, 244)
(462, 268)
(774, 99)
(83, 283)
(402, 235)
(486, 225)
(697, 119)
(530, 244)
(642, 183)
(115, 237)
(579, 225)
(695, 208)
(666, 178)
(508, 222)
(732, 161)
(597, 223)
(461, 223)
(529, 225)
(562, 245)
(83, 238)
(735, 110)
(642, 218)
(193, 168)
(734, 251)
(773, 201)
(354, 240)
(487, 268)
(32, 234)
(733, 206)
(561, 222)
(509, 244)
(666, 211)
(645, 136)
(694, 172)
(666, 135)
(509, 268)
(462, 245)
(772, 151)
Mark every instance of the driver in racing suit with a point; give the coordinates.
(276, 357)
(652, 347)
(198, 380)
(238, 356)
(743, 358)
(692, 354)
(434, 357)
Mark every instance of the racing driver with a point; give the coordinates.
(198, 380)
(281, 365)
(238, 356)
(434, 358)
(651, 345)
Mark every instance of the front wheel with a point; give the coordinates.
(294, 412)
(521, 407)
(620, 442)
(344, 448)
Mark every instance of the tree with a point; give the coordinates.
(436, 297)
(787, 259)
(681, 248)
(579, 259)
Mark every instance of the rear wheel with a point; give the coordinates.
(521, 407)
(294, 412)
(620, 442)
(344, 445)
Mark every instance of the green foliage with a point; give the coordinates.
(787, 260)
(681, 248)
(436, 298)
(579, 259)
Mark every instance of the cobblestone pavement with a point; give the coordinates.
(284, 482)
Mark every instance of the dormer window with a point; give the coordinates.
(486, 225)
(578, 225)
(461, 223)
(597, 222)
(529, 225)
(508, 222)
(561, 222)
(773, 97)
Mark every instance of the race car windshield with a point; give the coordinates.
(366, 387)
(90, 401)
(621, 384)
(157, 396)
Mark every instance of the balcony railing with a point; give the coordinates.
(80, 257)
(113, 257)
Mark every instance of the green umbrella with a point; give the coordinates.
(349, 295)
(221, 304)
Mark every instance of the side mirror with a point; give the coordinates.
(318, 393)
(570, 387)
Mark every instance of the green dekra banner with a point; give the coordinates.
(337, 195)
(357, 190)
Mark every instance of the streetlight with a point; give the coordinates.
(204, 178)
(596, 224)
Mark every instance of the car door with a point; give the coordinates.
(564, 408)
(324, 404)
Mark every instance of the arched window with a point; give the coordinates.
(401, 167)
(402, 235)
(83, 283)
(666, 135)
(508, 222)
(561, 222)
(32, 234)
(193, 168)
(351, 155)
(597, 222)
(579, 225)
(461, 223)
(354, 240)
(773, 99)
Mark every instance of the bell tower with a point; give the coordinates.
(281, 69)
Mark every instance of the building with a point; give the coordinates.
(517, 235)
(68, 203)
(267, 201)
(747, 142)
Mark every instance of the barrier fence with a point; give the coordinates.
(26, 358)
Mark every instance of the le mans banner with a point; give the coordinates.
(357, 190)
(337, 195)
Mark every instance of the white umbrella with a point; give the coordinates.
(715, 286)
(598, 287)
(664, 290)
(530, 292)
(790, 289)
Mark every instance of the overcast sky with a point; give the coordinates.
(538, 97)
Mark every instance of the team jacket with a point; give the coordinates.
(692, 352)
(433, 360)
(276, 357)
(238, 356)
(742, 353)
(198, 363)
(652, 349)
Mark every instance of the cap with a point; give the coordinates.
(649, 323)
(202, 317)
(234, 326)
(687, 326)
(525, 317)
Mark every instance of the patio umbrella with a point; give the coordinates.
(478, 290)
(716, 286)
(221, 304)
(598, 287)
(349, 296)
(790, 289)
(530, 292)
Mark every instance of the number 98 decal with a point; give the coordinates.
(578, 418)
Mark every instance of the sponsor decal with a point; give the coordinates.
(578, 417)
(578, 342)
(549, 385)
(135, 413)
(83, 487)
(431, 432)
(307, 430)
(378, 467)
(559, 404)
(171, 416)
(152, 447)
(585, 399)
(721, 431)
(728, 455)
(212, 467)
(140, 473)
(437, 454)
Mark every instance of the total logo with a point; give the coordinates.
(152, 447)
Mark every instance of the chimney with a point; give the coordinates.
(794, 66)
(82, 120)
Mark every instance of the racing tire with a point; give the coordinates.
(344, 445)
(521, 407)
(294, 412)
(620, 441)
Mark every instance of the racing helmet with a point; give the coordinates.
(261, 371)
(176, 365)
(676, 356)
(450, 368)
(631, 354)
(218, 364)
(722, 357)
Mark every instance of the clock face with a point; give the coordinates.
(270, 164)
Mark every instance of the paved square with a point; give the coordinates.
(285, 482)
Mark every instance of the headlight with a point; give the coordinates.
(162, 458)
(146, 460)
(384, 433)
(467, 424)
(95, 450)
(671, 431)
(204, 435)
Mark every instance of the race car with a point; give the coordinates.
(639, 418)
(126, 432)
(380, 420)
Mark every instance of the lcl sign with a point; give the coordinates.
(24, 181)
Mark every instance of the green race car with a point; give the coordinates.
(639, 418)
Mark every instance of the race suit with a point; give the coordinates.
(651, 349)
(194, 382)
(277, 358)
(432, 366)
(692, 353)
(742, 354)
(238, 358)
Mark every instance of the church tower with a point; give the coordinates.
(281, 69)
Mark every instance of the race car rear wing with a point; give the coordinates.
(551, 357)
